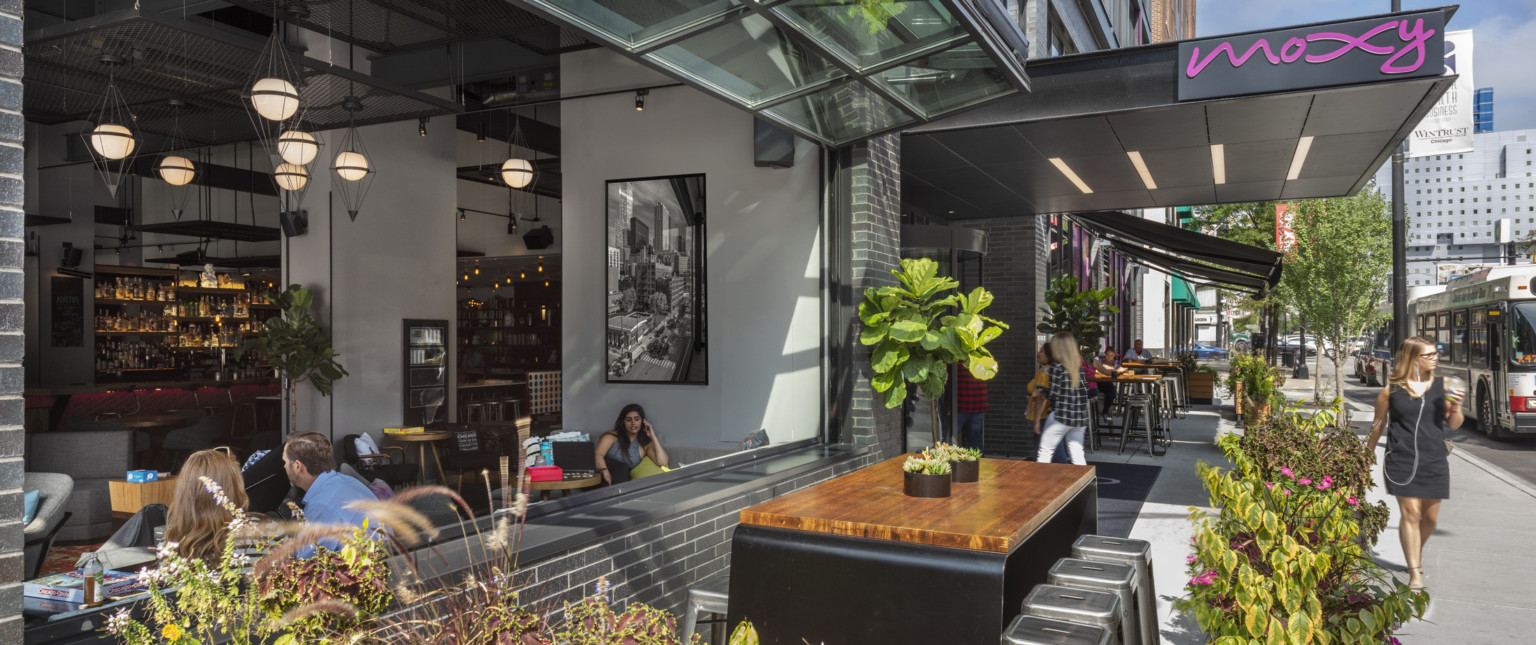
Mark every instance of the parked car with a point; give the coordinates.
(1203, 351)
(1292, 342)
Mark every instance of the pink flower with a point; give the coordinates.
(1269, 485)
(1392, 640)
(1189, 559)
(1304, 481)
(1287, 472)
(1352, 501)
(1327, 482)
(1207, 578)
(1285, 492)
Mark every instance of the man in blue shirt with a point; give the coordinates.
(310, 462)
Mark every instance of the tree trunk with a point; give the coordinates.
(293, 407)
(1317, 368)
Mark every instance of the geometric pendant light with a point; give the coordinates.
(352, 166)
(273, 102)
(112, 134)
(520, 174)
(176, 166)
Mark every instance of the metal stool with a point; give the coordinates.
(1138, 554)
(1113, 577)
(1033, 630)
(1081, 606)
(1143, 405)
(711, 595)
(474, 412)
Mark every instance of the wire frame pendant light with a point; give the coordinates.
(111, 134)
(352, 165)
(521, 175)
(176, 165)
(273, 102)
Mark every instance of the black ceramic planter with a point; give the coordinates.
(918, 485)
(965, 472)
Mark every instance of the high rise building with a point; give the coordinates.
(1482, 113)
(1171, 19)
(1453, 202)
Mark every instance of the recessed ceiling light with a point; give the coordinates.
(1219, 162)
(1300, 158)
(1141, 169)
(1072, 176)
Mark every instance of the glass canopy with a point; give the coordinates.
(835, 71)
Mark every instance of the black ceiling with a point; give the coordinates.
(385, 26)
(994, 161)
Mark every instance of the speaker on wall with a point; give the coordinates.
(72, 256)
(295, 223)
(539, 238)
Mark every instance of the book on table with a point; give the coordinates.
(70, 585)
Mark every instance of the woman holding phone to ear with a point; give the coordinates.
(631, 441)
(1416, 410)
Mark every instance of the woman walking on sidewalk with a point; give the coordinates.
(1069, 401)
(1416, 410)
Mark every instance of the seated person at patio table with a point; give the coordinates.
(623, 452)
(1138, 354)
(195, 522)
(310, 462)
(1108, 364)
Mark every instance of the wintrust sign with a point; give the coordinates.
(1327, 55)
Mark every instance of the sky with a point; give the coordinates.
(1504, 33)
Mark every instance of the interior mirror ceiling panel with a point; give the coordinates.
(891, 64)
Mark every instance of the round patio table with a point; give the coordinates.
(564, 485)
(422, 440)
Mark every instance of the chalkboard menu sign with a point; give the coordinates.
(68, 311)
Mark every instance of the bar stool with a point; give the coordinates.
(711, 595)
(474, 412)
(1112, 577)
(1033, 630)
(1081, 606)
(1143, 406)
(1138, 554)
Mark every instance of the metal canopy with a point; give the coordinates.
(1174, 250)
(386, 26)
(997, 160)
(835, 72)
(197, 62)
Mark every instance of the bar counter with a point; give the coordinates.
(854, 560)
(185, 384)
(52, 408)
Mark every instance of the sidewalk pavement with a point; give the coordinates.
(1478, 565)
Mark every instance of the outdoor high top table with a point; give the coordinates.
(854, 560)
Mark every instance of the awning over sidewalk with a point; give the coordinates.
(1276, 115)
(1194, 255)
(1183, 294)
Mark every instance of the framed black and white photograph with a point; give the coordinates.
(657, 315)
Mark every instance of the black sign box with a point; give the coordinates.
(1327, 55)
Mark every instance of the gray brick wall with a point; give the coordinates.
(876, 230)
(1015, 272)
(11, 329)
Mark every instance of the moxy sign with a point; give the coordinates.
(1327, 55)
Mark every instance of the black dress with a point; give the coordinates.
(1417, 464)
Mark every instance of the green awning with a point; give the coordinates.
(1183, 294)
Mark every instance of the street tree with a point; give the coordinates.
(1338, 274)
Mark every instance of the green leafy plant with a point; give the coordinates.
(744, 634)
(592, 621)
(1081, 312)
(1280, 560)
(916, 338)
(1307, 443)
(926, 465)
(1257, 383)
(874, 13)
(297, 346)
(356, 574)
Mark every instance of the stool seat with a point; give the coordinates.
(1137, 554)
(711, 595)
(1082, 606)
(1034, 630)
(1113, 577)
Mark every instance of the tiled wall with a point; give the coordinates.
(12, 316)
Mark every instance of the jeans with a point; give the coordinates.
(1054, 433)
(970, 428)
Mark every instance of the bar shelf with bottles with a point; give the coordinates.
(162, 320)
(520, 332)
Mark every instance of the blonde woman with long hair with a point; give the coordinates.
(1416, 411)
(196, 522)
(1068, 395)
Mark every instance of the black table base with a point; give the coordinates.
(800, 586)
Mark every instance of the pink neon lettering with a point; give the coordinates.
(1414, 41)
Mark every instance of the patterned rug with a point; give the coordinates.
(63, 558)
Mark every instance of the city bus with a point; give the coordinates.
(1484, 325)
(1373, 364)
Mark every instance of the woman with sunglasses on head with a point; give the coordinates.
(1416, 411)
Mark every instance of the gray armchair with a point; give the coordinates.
(54, 489)
(92, 459)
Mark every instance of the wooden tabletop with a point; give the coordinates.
(1128, 378)
(1012, 499)
(430, 435)
(566, 484)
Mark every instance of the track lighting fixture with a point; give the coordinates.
(640, 100)
(462, 217)
(421, 126)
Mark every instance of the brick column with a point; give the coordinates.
(12, 321)
(873, 179)
(1015, 272)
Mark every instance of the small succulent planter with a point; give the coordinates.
(925, 476)
(965, 472)
(964, 463)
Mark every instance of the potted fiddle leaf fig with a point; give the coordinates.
(298, 347)
(918, 332)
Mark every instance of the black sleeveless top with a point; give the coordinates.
(1417, 463)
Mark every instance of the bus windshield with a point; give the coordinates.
(1522, 333)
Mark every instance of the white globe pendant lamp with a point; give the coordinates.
(176, 170)
(351, 164)
(297, 147)
(291, 177)
(275, 99)
(517, 173)
(113, 141)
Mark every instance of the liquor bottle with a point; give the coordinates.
(95, 583)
